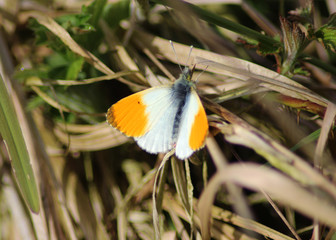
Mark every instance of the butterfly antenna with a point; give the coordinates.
(191, 48)
(198, 76)
(178, 61)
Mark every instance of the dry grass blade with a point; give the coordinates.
(220, 214)
(132, 170)
(262, 22)
(273, 183)
(240, 132)
(162, 47)
(223, 220)
(233, 67)
(52, 101)
(247, 71)
(180, 182)
(328, 121)
(160, 176)
(52, 169)
(35, 81)
(17, 225)
(60, 32)
(100, 137)
(278, 156)
(124, 60)
(190, 189)
(49, 100)
(87, 218)
(239, 203)
(200, 30)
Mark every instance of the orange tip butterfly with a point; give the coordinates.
(163, 118)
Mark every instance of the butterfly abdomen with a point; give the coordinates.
(181, 90)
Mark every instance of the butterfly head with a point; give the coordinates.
(187, 73)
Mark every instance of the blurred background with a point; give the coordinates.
(265, 72)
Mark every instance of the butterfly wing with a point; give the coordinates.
(193, 127)
(148, 116)
(162, 108)
(129, 115)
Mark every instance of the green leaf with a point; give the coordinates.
(95, 9)
(294, 41)
(76, 21)
(11, 132)
(327, 34)
(261, 47)
(74, 68)
(308, 139)
(114, 13)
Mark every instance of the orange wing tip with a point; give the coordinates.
(199, 130)
(129, 116)
(109, 117)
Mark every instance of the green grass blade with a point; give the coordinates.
(12, 134)
(215, 19)
(309, 139)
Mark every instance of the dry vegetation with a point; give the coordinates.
(266, 79)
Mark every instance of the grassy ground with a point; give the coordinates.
(265, 73)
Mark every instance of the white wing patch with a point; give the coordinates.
(161, 109)
(190, 110)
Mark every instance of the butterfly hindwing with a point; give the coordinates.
(193, 127)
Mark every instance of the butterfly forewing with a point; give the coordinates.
(129, 115)
(162, 108)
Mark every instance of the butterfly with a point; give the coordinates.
(163, 118)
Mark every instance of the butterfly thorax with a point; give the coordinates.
(184, 82)
(181, 91)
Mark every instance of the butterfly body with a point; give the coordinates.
(162, 118)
